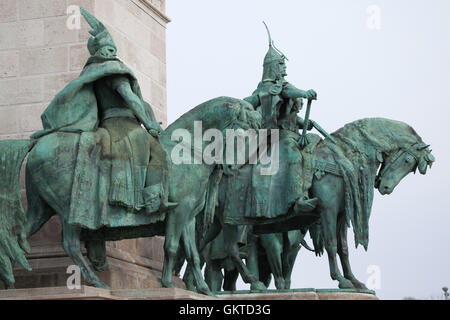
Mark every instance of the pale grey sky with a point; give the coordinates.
(401, 72)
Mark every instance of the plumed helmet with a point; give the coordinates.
(272, 60)
(101, 43)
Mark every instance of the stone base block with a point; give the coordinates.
(90, 293)
(52, 272)
(301, 294)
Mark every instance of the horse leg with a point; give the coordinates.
(213, 276)
(230, 279)
(189, 279)
(193, 257)
(329, 217)
(174, 228)
(289, 257)
(264, 273)
(211, 234)
(274, 250)
(176, 220)
(342, 250)
(72, 246)
(252, 260)
(96, 253)
(288, 265)
(231, 234)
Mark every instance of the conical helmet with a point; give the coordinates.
(272, 60)
(101, 43)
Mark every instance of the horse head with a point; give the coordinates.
(399, 164)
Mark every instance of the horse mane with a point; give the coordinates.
(218, 108)
(381, 133)
(359, 143)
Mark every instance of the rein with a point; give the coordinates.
(400, 152)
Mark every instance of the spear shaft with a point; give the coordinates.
(304, 138)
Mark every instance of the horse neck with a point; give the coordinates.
(210, 118)
(371, 135)
(195, 123)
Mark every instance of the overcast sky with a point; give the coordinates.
(400, 71)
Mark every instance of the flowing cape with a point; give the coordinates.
(74, 109)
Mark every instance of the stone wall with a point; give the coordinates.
(39, 55)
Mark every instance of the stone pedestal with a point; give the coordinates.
(301, 294)
(39, 55)
(89, 293)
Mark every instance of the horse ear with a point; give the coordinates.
(430, 159)
(423, 165)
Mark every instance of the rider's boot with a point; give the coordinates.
(156, 199)
(156, 195)
(305, 205)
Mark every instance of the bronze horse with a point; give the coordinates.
(344, 187)
(49, 176)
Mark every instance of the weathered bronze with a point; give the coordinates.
(103, 164)
(338, 174)
(104, 175)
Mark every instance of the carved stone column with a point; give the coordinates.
(39, 55)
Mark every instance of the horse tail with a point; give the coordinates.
(315, 231)
(13, 239)
(306, 245)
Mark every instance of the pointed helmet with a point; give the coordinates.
(101, 43)
(273, 60)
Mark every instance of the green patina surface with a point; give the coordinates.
(103, 164)
(269, 291)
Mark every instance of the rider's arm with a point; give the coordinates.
(123, 87)
(253, 100)
(291, 92)
(301, 123)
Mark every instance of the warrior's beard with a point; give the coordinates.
(107, 52)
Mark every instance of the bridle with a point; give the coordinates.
(409, 150)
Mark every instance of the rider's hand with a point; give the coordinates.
(154, 128)
(311, 95)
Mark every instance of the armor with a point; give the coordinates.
(279, 103)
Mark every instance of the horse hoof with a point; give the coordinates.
(167, 284)
(346, 284)
(359, 285)
(100, 267)
(258, 285)
(280, 284)
(206, 291)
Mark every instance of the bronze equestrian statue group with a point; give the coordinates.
(104, 165)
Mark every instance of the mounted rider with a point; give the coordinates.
(279, 103)
(106, 100)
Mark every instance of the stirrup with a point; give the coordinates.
(166, 206)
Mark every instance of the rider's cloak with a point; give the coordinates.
(102, 186)
(74, 109)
